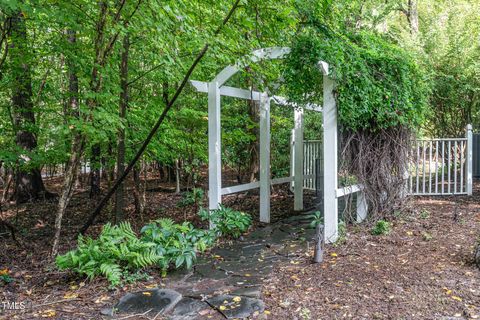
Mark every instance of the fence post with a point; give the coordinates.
(264, 158)
(330, 165)
(292, 159)
(298, 162)
(214, 148)
(469, 159)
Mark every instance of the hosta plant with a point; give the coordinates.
(176, 243)
(226, 221)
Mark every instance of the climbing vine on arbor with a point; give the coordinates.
(379, 85)
(381, 96)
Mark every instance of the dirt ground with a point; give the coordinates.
(422, 270)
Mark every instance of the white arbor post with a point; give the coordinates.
(264, 158)
(362, 208)
(292, 159)
(214, 147)
(330, 203)
(469, 159)
(298, 160)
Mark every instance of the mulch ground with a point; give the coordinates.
(422, 270)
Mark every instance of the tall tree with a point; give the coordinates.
(28, 179)
(77, 146)
(123, 105)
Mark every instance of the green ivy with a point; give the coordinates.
(379, 85)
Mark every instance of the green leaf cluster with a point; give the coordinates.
(191, 197)
(178, 244)
(226, 221)
(117, 251)
(378, 85)
(382, 227)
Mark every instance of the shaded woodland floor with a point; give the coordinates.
(422, 270)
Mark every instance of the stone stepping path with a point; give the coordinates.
(226, 284)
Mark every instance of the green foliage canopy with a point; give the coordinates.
(379, 85)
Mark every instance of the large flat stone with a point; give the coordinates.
(236, 307)
(156, 300)
(250, 292)
(190, 309)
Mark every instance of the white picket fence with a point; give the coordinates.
(441, 166)
(436, 167)
(312, 152)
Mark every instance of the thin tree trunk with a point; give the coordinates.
(177, 176)
(75, 151)
(28, 183)
(137, 192)
(7, 187)
(119, 195)
(412, 16)
(95, 171)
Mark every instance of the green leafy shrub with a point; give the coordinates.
(382, 227)
(176, 243)
(226, 221)
(116, 252)
(379, 85)
(190, 198)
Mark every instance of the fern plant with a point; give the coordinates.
(115, 253)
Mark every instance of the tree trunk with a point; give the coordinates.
(95, 171)
(28, 182)
(137, 192)
(412, 16)
(119, 195)
(75, 151)
(177, 176)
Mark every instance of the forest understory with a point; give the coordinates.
(422, 270)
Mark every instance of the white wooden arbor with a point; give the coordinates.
(216, 88)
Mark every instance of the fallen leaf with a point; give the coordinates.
(48, 313)
(70, 295)
(266, 312)
(237, 299)
(222, 308)
(333, 254)
(456, 298)
(146, 293)
(102, 299)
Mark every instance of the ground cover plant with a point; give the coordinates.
(118, 253)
